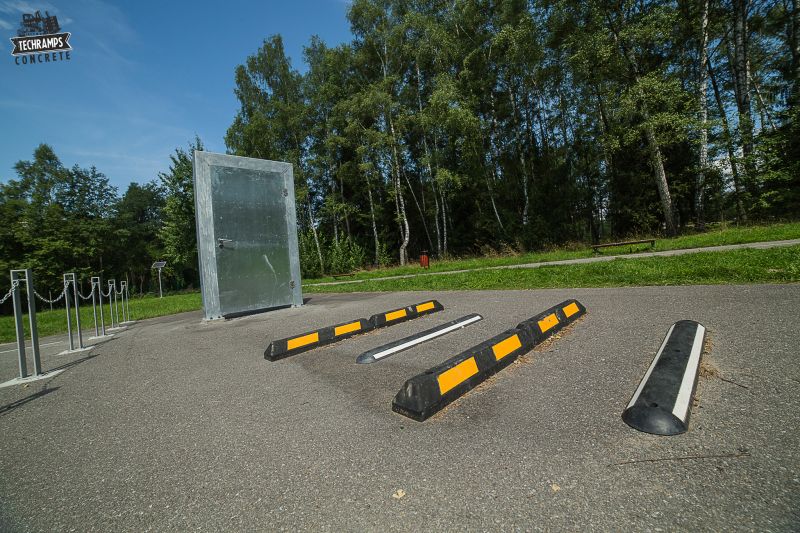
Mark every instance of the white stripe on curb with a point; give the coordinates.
(424, 338)
(681, 408)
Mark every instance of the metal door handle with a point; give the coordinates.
(223, 241)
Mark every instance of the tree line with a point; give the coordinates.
(468, 127)
(59, 219)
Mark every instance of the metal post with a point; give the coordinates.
(50, 295)
(160, 294)
(69, 319)
(23, 363)
(37, 358)
(100, 300)
(128, 299)
(94, 304)
(122, 300)
(77, 310)
(111, 284)
(116, 304)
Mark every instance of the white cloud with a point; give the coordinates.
(5, 25)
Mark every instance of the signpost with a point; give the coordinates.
(159, 265)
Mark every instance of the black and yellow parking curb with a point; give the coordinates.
(396, 316)
(425, 394)
(312, 339)
(546, 323)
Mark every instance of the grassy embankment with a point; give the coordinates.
(715, 237)
(778, 265)
(775, 265)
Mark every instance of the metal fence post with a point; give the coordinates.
(116, 303)
(128, 300)
(77, 310)
(69, 319)
(37, 358)
(94, 304)
(111, 284)
(15, 295)
(122, 300)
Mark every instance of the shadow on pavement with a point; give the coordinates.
(73, 363)
(22, 401)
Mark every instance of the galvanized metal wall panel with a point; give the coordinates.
(246, 234)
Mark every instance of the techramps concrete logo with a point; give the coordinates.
(40, 40)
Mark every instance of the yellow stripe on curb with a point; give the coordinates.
(424, 307)
(571, 309)
(458, 374)
(347, 328)
(503, 348)
(302, 341)
(394, 315)
(548, 322)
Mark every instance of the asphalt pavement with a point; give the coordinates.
(179, 424)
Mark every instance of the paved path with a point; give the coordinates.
(597, 259)
(178, 424)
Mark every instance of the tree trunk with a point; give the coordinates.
(794, 45)
(444, 220)
(703, 101)
(346, 216)
(742, 91)
(656, 159)
(762, 106)
(405, 229)
(521, 155)
(429, 168)
(493, 154)
(419, 209)
(436, 219)
(374, 225)
(726, 135)
(313, 225)
(608, 159)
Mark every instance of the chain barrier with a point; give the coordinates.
(14, 285)
(88, 296)
(104, 294)
(54, 300)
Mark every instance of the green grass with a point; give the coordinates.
(714, 237)
(776, 265)
(54, 322)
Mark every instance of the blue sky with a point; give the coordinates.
(144, 78)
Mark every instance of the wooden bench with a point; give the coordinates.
(596, 247)
(337, 276)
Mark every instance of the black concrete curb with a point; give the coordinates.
(403, 314)
(313, 339)
(662, 403)
(425, 394)
(304, 342)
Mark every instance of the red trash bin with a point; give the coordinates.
(424, 262)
